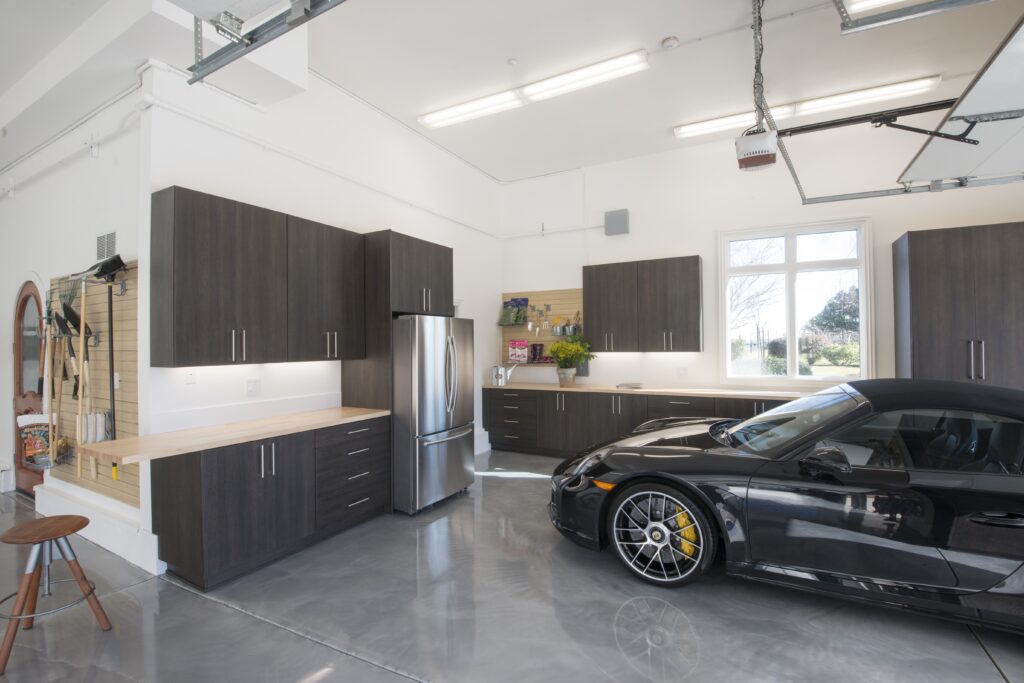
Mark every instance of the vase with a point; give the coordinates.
(566, 377)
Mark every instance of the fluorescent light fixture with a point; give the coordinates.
(735, 122)
(858, 6)
(587, 76)
(859, 97)
(815, 106)
(473, 109)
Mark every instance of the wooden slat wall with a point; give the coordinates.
(565, 303)
(126, 310)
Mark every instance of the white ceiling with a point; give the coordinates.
(409, 57)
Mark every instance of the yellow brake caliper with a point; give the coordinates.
(687, 533)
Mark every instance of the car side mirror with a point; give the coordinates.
(825, 461)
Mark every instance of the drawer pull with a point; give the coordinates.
(358, 502)
(356, 476)
(509, 436)
(361, 450)
(511, 407)
(358, 431)
(679, 403)
(512, 422)
(511, 395)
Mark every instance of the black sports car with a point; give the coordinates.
(904, 492)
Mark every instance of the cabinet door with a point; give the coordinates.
(234, 516)
(603, 417)
(683, 303)
(652, 305)
(632, 412)
(999, 296)
(346, 307)
(942, 304)
(291, 473)
(737, 408)
(205, 270)
(612, 299)
(408, 280)
(550, 424)
(438, 263)
(307, 290)
(261, 289)
(576, 430)
(595, 300)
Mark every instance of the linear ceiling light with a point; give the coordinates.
(815, 106)
(541, 90)
(858, 6)
(474, 109)
(587, 76)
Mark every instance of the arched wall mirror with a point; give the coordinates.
(28, 374)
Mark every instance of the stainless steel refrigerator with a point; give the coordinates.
(432, 452)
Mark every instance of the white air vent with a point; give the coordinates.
(106, 246)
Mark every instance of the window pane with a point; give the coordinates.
(757, 252)
(790, 421)
(828, 320)
(757, 325)
(875, 443)
(827, 246)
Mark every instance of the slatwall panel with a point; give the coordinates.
(126, 309)
(564, 305)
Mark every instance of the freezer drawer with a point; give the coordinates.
(442, 466)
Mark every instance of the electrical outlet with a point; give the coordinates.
(190, 376)
(117, 380)
(252, 387)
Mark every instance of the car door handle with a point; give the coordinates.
(1007, 519)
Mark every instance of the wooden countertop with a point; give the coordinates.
(154, 446)
(712, 393)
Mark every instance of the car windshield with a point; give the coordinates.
(787, 423)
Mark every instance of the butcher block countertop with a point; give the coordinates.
(754, 394)
(164, 445)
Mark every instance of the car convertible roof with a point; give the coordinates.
(900, 394)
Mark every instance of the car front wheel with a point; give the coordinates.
(661, 534)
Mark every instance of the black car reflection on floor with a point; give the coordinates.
(905, 492)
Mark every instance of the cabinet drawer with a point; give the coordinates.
(358, 456)
(351, 431)
(514, 421)
(513, 439)
(679, 406)
(343, 503)
(513, 405)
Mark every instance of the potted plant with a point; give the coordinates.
(569, 355)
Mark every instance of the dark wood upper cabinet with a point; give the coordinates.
(959, 310)
(325, 292)
(610, 307)
(644, 305)
(670, 304)
(234, 283)
(421, 276)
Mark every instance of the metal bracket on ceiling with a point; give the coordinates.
(229, 26)
(890, 122)
(993, 116)
(297, 14)
(848, 24)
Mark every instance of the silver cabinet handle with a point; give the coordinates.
(970, 359)
(423, 297)
(509, 436)
(605, 341)
(981, 375)
(328, 335)
(613, 404)
(511, 395)
(430, 299)
(359, 431)
(273, 458)
(361, 450)
(664, 341)
(511, 407)
(612, 335)
(358, 502)
(511, 422)
(263, 470)
(232, 346)
(671, 346)
(356, 476)
(335, 344)
(243, 346)
(679, 403)
(620, 405)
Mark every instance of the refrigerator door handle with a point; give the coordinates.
(458, 435)
(455, 373)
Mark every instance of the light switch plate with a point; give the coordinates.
(117, 380)
(252, 387)
(190, 376)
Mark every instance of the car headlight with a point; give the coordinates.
(591, 461)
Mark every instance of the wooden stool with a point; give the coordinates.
(43, 534)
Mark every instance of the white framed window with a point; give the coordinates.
(796, 304)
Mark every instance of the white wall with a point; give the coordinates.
(327, 157)
(680, 201)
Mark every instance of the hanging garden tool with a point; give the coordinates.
(65, 331)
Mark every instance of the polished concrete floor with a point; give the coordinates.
(480, 588)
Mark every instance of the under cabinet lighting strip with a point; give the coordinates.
(584, 77)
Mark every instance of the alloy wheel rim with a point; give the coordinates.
(657, 536)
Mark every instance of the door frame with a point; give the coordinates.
(25, 479)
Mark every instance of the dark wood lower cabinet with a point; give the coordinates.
(226, 511)
(613, 416)
(562, 422)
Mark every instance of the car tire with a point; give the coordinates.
(661, 534)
